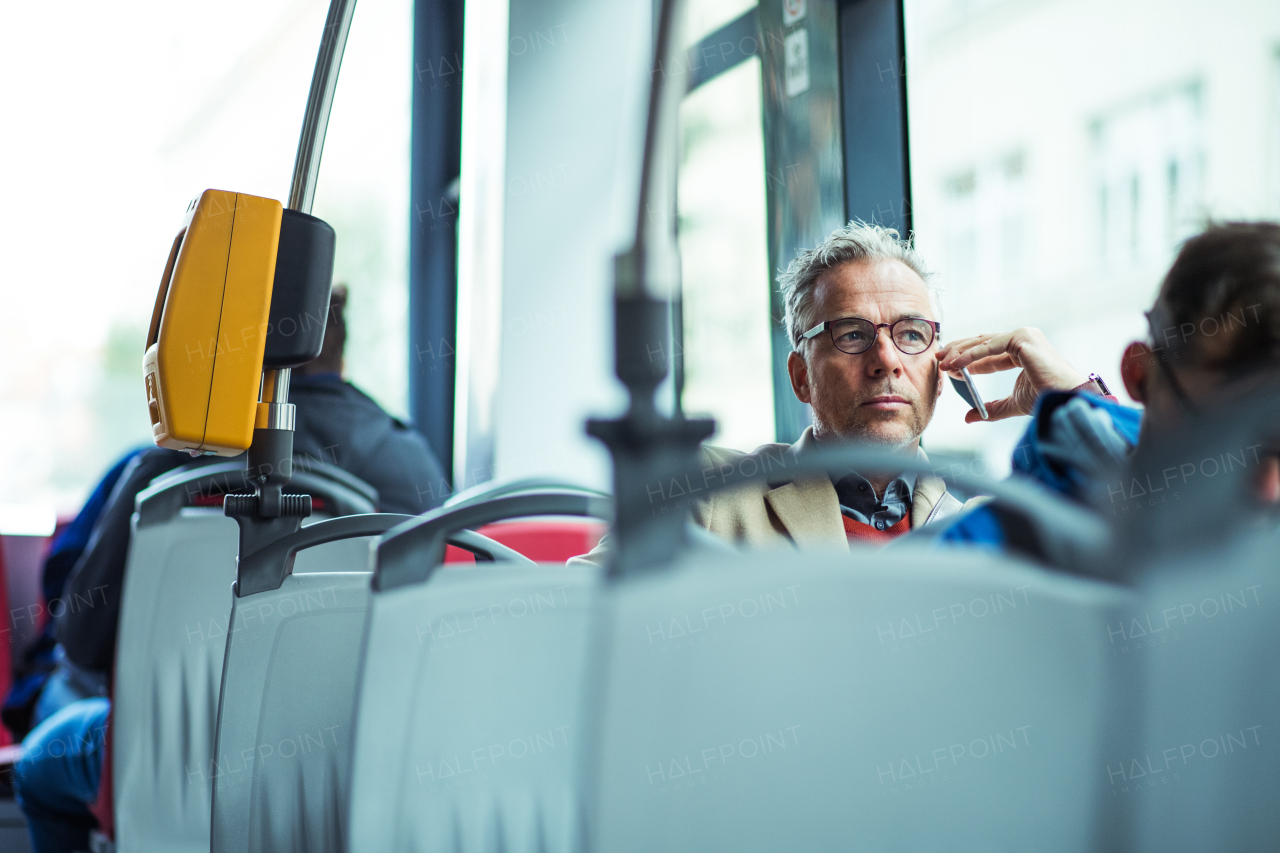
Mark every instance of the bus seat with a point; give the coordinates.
(8, 663)
(103, 805)
(345, 552)
(544, 540)
(1207, 770)
(283, 739)
(786, 701)
(284, 727)
(169, 653)
(468, 723)
(503, 488)
(24, 557)
(550, 540)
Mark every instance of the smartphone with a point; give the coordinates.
(965, 388)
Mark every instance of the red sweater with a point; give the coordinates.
(856, 530)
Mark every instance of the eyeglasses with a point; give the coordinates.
(854, 335)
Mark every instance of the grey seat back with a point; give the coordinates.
(284, 730)
(1201, 545)
(468, 727)
(284, 720)
(928, 700)
(173, 623)
(174, 616)
(1206, 773)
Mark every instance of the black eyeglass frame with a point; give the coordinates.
(828, 325)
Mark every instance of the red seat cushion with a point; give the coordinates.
(543, 541)
(6, 649)
(104, 806)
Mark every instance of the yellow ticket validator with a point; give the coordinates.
(203, 362)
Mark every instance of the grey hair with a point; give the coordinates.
(857, 241)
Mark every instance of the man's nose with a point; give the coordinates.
(883, 357)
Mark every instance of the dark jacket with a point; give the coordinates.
(87, 625)
(335, 423)
(339, 424)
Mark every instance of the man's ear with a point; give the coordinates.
(1135, 369)
(1268, 481)
(799, 373)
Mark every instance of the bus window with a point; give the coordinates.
(721, 197)
(180, 98)
(703, 17)
(1060, 153)
(363, 192)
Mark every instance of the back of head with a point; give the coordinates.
(335, 336)
(1220, 307)
(1220, 302)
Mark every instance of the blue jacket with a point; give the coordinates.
(38, 661)
(1074, 438)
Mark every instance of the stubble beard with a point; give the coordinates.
(852, 424)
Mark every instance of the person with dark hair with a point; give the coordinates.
(335, 423)
(339, 424)
(1214, 328)
(32, 697)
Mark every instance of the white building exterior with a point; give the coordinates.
(1061, 149)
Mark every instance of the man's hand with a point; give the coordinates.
(1043, 368)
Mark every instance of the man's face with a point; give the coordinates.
(882, 396)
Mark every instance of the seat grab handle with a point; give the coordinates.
(411, 553)
(266, 568)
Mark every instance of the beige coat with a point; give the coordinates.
(805, 512)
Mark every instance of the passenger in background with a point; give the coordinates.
(1215, 328)
(337, 424)
(864, 326)
(41, 660)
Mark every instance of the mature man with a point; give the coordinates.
(1215, 330)
(864, 326)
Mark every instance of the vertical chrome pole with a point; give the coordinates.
(268, 514)
(306, 166)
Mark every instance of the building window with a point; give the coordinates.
(1148, 157)
(725, 266)
(987, 227)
